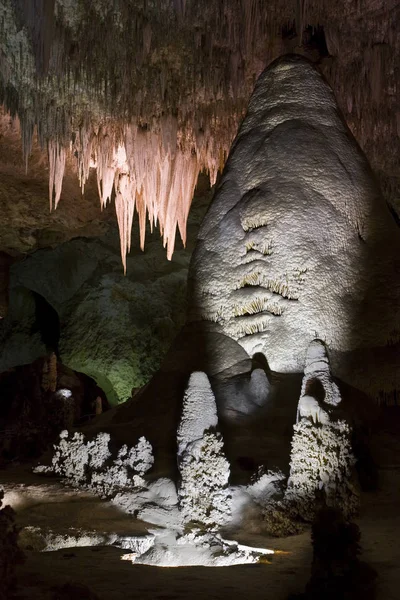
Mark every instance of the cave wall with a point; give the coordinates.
(114, 328)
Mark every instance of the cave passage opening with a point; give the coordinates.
(47, 322)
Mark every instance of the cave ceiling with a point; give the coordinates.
(133, 98)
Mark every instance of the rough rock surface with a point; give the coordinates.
(87, 463)
(242, 396)
(206, 69)
(298, 243)
(319, 392)
(321, 469)
(27, 223)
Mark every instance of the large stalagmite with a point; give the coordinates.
(298, 243)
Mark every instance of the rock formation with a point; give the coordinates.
(114, 328)
(199, 412)
(321, 460)
(298, 244)
(318, 388)
(108, 86)
(204, 470)
(89, 463)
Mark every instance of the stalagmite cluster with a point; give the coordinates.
(193, 510)
(90, 464)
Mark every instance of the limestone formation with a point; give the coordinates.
(309, 407)
(295, 235)
(115, 329)
(298, 244)
(89, 463)
(294, 255)
(204, 470)
(321, 469)
(149, 109)
(322, 460)
(318, 388)
(199, 412)
(317, 380)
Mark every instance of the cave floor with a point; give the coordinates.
(45, 503)
(101, 569)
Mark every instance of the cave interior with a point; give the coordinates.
(199, 299)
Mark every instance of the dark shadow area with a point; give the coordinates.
(47, 323)
(314, 41)
(259, 361)
(289, 32)
(40, 400)
(315, 389)
(337, 572)
(264, 437)
(5, 263)
(394, 214)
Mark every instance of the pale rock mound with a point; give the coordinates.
(298, 244)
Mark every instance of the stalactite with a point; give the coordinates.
(149, 172)
(125, 193)
(57, 157)
(151, 96)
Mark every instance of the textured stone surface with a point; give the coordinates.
(298, 243)
(205, 70)
(204, 470)
(20, 343)
(242, 395)
(317, 381)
